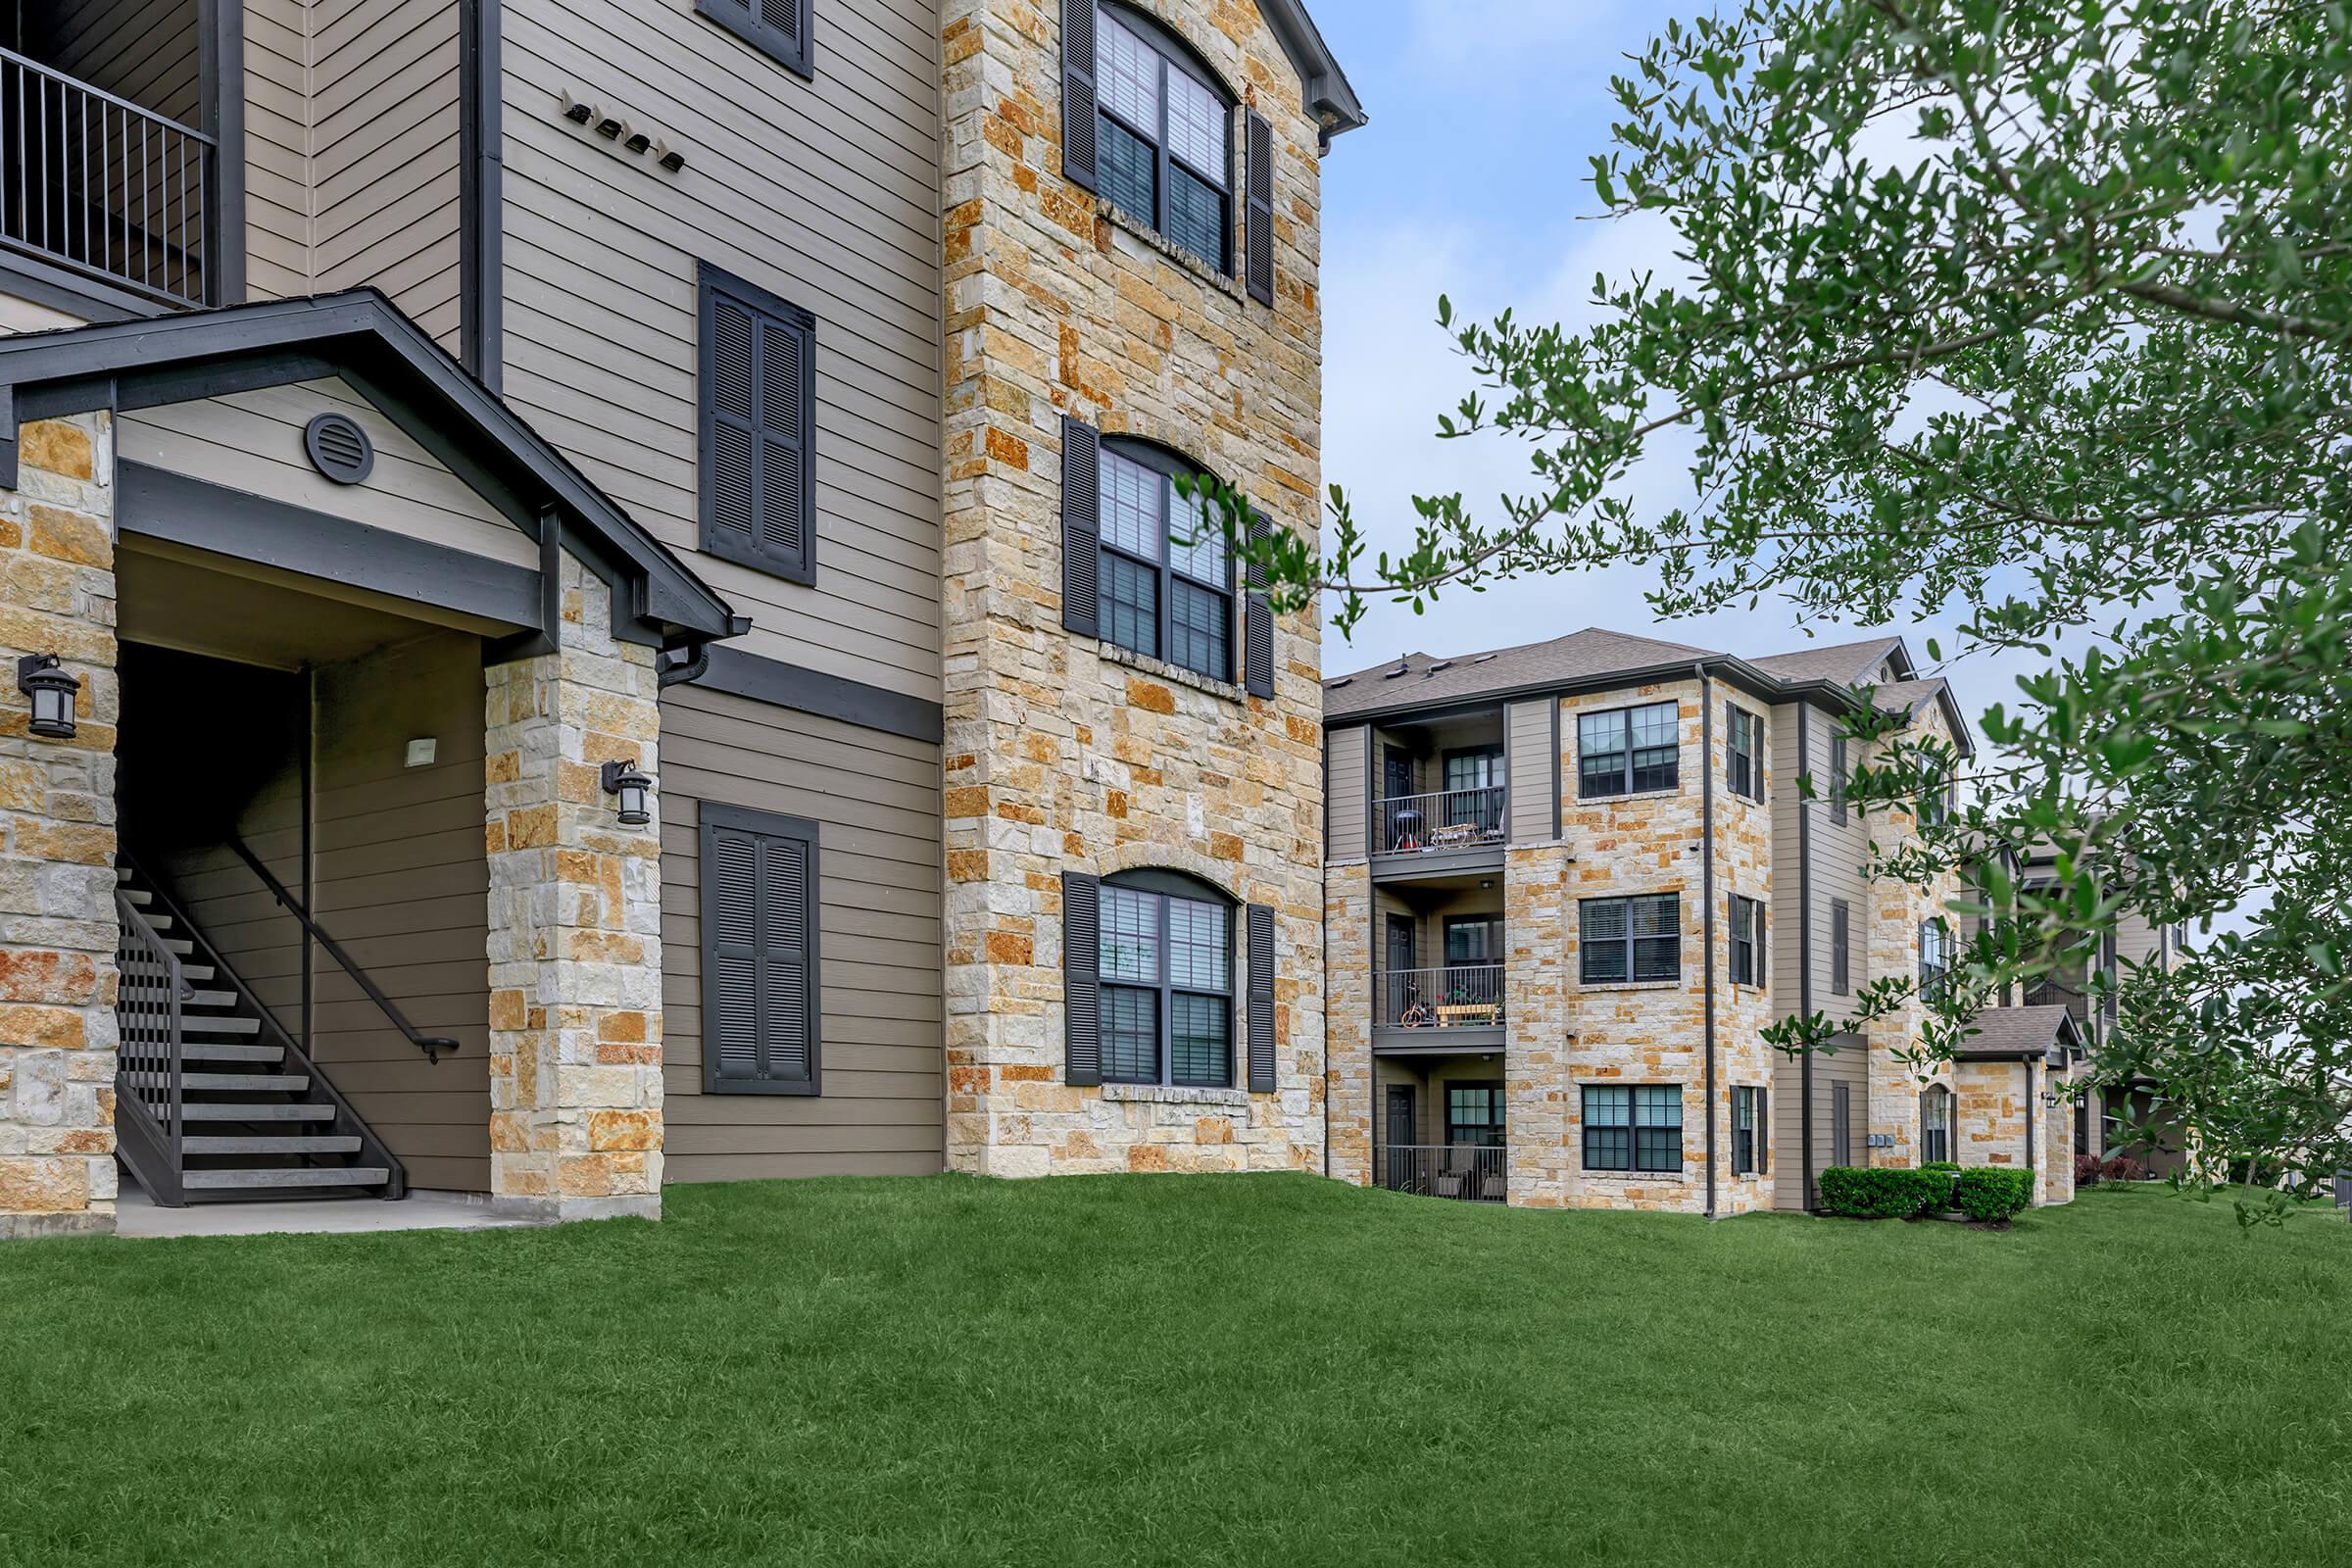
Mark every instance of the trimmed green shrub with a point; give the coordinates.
(1951, 1165)
(1992, 1192)
(1882, 1193)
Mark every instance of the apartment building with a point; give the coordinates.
(599, 599)
(1570, 883)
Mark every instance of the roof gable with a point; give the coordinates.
(384, 356)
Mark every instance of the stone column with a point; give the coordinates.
(57, 878)
(575, 926)
(1347, 1019)
(1535, 1006)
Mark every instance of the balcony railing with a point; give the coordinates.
(1448, 820)
(1463, 997)
(1468, 1173)
(102, 186)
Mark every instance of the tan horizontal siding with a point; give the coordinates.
(252, 441)
(1349, 755)
(875, 800)
(1528, 767)
(823, 192)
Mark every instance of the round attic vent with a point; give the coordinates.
(339, 448)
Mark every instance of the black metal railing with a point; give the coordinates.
(150, 992)
(434, 1045)
(1468, 1173)
(102, 184)
(1462, 996)
(1447, 819)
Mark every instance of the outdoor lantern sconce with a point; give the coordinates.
(634, 789)
(52, 692)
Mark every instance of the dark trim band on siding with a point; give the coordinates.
(1804, 953)
(1706, 883)
(221, 64)
(481, 201)
(810, 691)
(415, 382)
(62, 289)
(1558, 781)
(158, 504)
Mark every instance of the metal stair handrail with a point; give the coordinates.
(151, 990)
(372, 1150)
(431, 1044)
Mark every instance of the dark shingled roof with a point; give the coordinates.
(1909, 695)
(1847, 663)
(1564, 661)
(2021, 1032)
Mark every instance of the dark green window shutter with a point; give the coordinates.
(777, 28)
(759, 428)
(1081, 528)
(1259, 217)
(1081, 978)
(1763, 959)
(760, 952)
(1257, 617)
(1764, 1131)
(1079, 127)
(1261, 998)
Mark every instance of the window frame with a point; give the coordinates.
(1748, 943)
(1586, 946)
(1937, 1100)
(711, 284)
(1496, 1123)
(1491, 927)
(712, 817)
(1588, 1126)
(1748, 761)
(1750, 1104)
(1177, 56)
(1838, 775)
(1168, 466)
(1841, 947)
(1934, 975)
(1629, 774)
(1163, 887)
(745, 22)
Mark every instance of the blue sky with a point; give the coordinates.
(1469, 181)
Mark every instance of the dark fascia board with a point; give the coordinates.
(1325, 88)
(62, 289)
(809, 691)
(1738, 673)
(1842, 699)
(359, 334)
(163, 504)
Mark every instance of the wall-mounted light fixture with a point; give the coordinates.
(633, 789)
(51, 692)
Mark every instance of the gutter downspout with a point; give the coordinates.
(1706, 894)
(698, 659)
(1804, 950)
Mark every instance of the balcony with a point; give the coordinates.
(1440, 1002)
(1467, 1173)
(102, 187)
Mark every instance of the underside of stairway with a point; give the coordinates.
(214, 1099)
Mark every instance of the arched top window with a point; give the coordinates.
(1166, 579)
(1167, 134)
(1167, 970)
(1934, 1125)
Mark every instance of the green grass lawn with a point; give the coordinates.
(1169, 1369)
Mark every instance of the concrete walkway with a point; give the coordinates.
(137, 1215)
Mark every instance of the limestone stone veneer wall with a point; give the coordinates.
(57, 807)
(1896, 909)
(1064, 753)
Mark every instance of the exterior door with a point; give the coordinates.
(1400, 824)
(1402, 1132)
(1399, 992)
